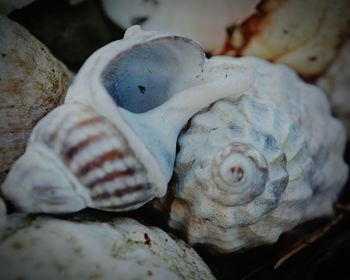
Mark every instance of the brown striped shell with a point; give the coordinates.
(106, 172)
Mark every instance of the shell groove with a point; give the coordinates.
(95, 155)
(251, 168)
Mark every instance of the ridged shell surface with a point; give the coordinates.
(87, 153)
(251, 168)
(48, 248)
(32, 83)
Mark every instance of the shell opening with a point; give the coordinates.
(146, 75)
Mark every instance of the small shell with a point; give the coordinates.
(90, 160)
(250, 168)
(305, 35)
(32, 83)
(120, 249)
(112, 144)
(192, 19)
(336, 83)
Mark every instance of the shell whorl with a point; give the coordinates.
(94, 156)
(241, 178)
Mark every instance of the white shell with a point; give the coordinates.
(202, 20)
(48, 248)
(252, 167)
(32, 83)
(336, 83)
(112, 144)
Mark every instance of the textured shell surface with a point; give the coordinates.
(336, 83)
(112, 144)
(186, 18)
(120, 249)
(252, 167)
(32, 83)
(305, 35)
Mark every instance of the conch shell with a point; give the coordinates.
(49, 248)
(112, 144)
(305, 35)
(32, 83)
(252, 167)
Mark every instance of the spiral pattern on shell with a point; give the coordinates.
(240, 179)
(92, 154)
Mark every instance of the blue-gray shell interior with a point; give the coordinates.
(148, 74)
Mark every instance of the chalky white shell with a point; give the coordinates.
(112, 144)
(252, 167)
(32, 83)
(48, 248)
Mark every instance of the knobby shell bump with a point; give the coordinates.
(49, 248)
(252, 167)
(112, 144)
(33, 82)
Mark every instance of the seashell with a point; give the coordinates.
(120, 249)
(184, 18)
(32, 83)
(336, 84)
(252, 167)
(304, 35)
(112, 144)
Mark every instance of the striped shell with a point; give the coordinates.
(89, 157)
(49, 248)
(32, 83)
(250, 168)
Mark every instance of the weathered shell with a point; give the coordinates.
(192, 19)
(305, 35)
(112, 145)
(336, 83)
(48, 248)
(32, 83)
(252, 167)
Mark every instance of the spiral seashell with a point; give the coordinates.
(252, 167)
(32, 83)
(72, 249)
(112, 144)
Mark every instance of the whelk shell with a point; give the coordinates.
(252, 167)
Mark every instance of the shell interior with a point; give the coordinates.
(146, 75)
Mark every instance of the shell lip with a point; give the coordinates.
(88, 89)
